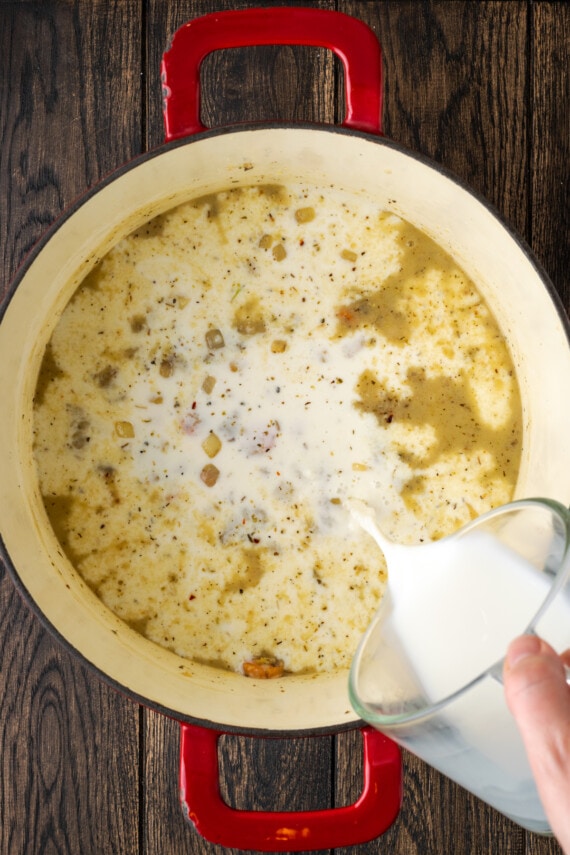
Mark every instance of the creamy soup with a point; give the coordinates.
(226, 378)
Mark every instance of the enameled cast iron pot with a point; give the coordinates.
(194, 162)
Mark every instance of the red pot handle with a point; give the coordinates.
(349, 38)
(294, 831)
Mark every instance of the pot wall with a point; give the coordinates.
(506, 275)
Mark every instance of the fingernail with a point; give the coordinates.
(520, 648)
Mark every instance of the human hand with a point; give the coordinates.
(538, 696)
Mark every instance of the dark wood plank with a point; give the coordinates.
(69, 74)
(537, 845)
(549, 232)
(69, 745)
(286, 774)
(69, 782)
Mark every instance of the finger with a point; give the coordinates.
(539, 698)
(535, 685)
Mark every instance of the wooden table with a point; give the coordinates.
(482, 87)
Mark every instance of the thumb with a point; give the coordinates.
(535, 684)
(539, 698)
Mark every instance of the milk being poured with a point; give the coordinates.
(466, 599)
(450, 611)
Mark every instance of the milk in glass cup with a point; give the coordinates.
(428, 670)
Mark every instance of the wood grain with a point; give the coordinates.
(68, 78)
(481, 88)
(549, 107)
(68, 781)
(69, 745)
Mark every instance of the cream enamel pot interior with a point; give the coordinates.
(353, 160)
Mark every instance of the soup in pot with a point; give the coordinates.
(226, 378)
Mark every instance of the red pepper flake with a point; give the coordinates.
(192, 597)
(193, 405)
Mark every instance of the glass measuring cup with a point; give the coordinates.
(427, 672)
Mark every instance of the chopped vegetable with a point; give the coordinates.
(279, 252)
(348, 255)
(125, 430)
(215, 339)
(249, 318)
(264, 668)
(208, 384)
(209, 474)
(278, 346)
(265, 241)
(138, 323)
(304, 215)
(212, 444)
(167, 367)
(250, 325)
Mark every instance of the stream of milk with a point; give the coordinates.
(458, 603)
